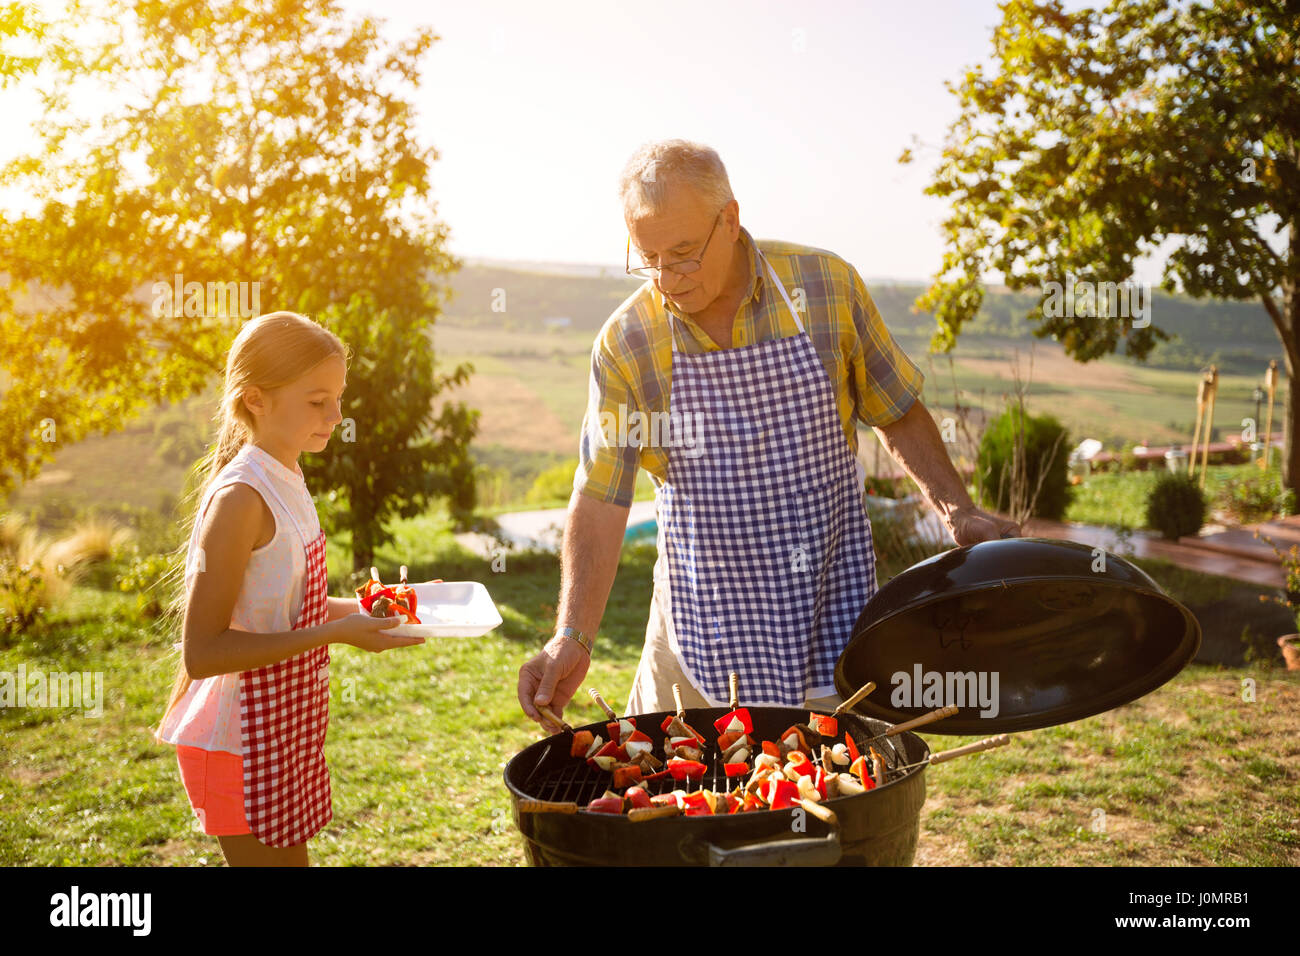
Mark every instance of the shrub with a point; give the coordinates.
(1007, 483)
(883, 487)
(146, 576)
(1175, 506)
(31, 579)
(552, 485)
(1255, 498)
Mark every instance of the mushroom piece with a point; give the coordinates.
(848, 785)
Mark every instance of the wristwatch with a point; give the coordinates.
(577, 635)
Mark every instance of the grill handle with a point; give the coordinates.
(824, 851)
(546, 806)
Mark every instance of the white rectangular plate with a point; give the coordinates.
(450, 609)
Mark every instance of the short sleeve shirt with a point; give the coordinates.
(874, 381)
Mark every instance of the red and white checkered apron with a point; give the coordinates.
(284, 713)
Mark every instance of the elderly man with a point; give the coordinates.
(758, 358)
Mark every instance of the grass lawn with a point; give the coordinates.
(1191, 774)
(1118, 498)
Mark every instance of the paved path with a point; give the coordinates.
(1231, 552)
(1205, 554)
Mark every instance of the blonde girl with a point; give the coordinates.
(251, 704)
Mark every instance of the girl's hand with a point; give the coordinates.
(367, 633)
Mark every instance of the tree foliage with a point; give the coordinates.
(263, 142)
(1100, 134)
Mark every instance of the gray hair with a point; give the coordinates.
(655, 166)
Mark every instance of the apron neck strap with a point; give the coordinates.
(775, 281)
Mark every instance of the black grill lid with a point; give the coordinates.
(1060, 629)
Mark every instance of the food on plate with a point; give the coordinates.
(381, 600)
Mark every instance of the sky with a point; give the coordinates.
(535, 107)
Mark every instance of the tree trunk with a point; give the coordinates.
(1288, 327)
(1291, 407)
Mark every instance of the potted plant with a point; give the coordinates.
(1289, 643)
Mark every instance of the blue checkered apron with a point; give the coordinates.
(768, 545)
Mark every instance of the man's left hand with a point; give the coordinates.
(971, 525)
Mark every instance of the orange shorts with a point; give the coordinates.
(214, 782)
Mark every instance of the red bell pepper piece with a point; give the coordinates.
(736, 769)
(723, 723)
(801, 763)
(798, 735)
(667, 722)
(685, 769)
(826, 726)
(638, 798)
(819, 781)
(852, 745)
(697, 805)
(783, 795)
(374, 594)
(606, 805)
(618, 731)
(771, 749)
(405, 597)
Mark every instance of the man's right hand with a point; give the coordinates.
(551, 678)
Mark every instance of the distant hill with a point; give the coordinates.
(1237, 336)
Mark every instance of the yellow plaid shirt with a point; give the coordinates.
(631, 361)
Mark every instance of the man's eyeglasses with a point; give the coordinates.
(682, 268)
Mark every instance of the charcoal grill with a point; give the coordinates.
(878, 827)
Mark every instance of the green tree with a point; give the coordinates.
(267, 152)
(1097, 135)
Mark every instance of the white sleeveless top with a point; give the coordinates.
(207, 715)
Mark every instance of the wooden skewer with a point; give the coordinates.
(863, 691)
(550, 715)
(1001, 740)
(980, 745)
(403, 574)
(921, 721)
(546, 806)
(600, 702)
(825, 814)
(677, 698)
(735, 690)
(374, 574)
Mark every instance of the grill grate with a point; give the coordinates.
(564, 779)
